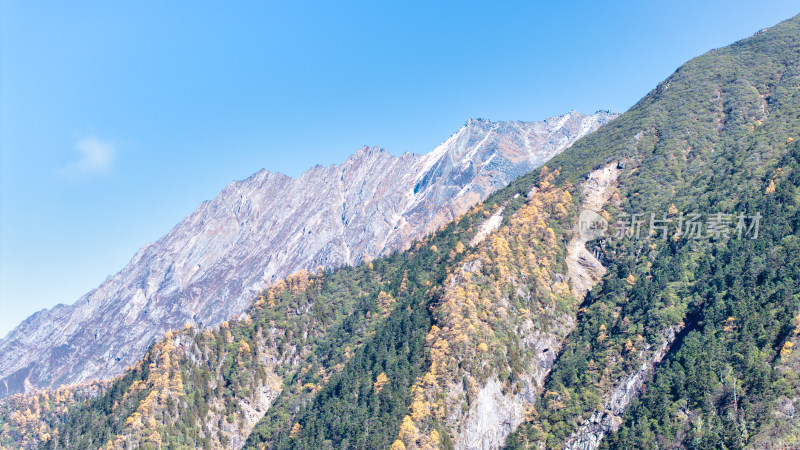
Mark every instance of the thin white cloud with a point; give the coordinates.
(96, 157)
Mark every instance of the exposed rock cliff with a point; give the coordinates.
(270, 225)
(504, 318)
(608, 419)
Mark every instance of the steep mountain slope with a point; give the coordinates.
(489, 327)
(262, 229)
(712, 315)
(343, 347)
(527, 323)
(697, 322)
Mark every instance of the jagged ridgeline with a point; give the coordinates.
(509, 327)
(336, 358)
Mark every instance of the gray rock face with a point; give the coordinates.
(261, 229)
(495, 414)
(608, 419)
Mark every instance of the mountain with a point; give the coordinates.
(262, 229)
(687, 342)
(639, 291)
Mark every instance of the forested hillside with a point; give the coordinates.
(719, 139)
(517, 325)
(209, 387)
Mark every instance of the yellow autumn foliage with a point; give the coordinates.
(296, 430)
(475, 303)
(381, 381)
(398, 445)
(786, 350)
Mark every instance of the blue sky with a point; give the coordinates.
(118, 118)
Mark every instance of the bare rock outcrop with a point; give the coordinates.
(497, 411)
(584, 269)
(256, 231)
(608, 419)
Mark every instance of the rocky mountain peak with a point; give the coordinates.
(261, 229)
